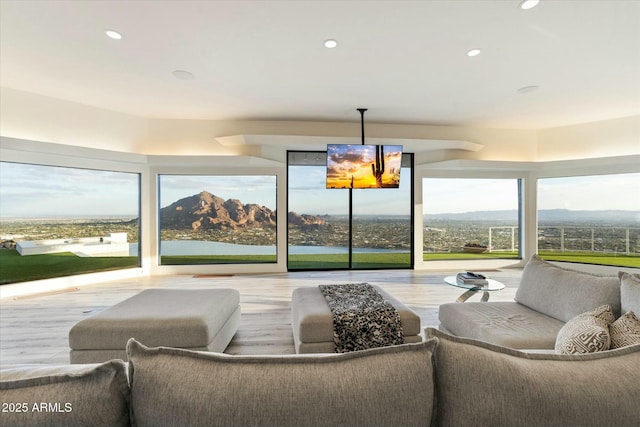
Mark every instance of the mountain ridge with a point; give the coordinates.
(544, 215)
(205, 211)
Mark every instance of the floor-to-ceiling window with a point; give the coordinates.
(62, 221)
(333, 228)
(469, 218)
(217, 219)
(590, 219)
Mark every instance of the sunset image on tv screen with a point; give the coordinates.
(363, 166)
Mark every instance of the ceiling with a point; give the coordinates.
(265, 60)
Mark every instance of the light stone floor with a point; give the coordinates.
(34, 329)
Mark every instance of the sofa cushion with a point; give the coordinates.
(68, 395)
(505, 323)
(625, 330)
(563, 293)
(388, 386)
(587, 332)
(497, 386)
(629, 292)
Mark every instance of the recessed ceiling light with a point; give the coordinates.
(527, 89)
(182, 75)
(330, 44)
(113, 34)
(473, 52)
(529, 4)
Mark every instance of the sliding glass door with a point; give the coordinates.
(382, 226)
(343, 228)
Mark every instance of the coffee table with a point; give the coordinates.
(493, 285)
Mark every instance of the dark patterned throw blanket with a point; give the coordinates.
(362, 318)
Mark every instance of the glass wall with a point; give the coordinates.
(590, 219)
(342, 228)
(217, 219)
(318, 218)
(468, 218)
(383, 225)
(61, 221)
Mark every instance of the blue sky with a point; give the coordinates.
(618, 192)
(444, 195)
(45, 191)
(257, 189)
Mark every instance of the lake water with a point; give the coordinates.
(196, 247)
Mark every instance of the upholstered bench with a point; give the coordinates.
(195, 319)
(312, 321)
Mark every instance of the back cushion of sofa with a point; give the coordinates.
(390, 386)
(630, 292)
(481, 384)
(65, 396)
(563, 293)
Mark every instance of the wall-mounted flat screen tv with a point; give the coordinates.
(363, 166)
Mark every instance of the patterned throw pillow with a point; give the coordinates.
(625, 331)
(629, 292)
(587, 332)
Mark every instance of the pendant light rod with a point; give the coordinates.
(362, 110)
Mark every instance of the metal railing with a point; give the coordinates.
(563, 238)
(600, 239)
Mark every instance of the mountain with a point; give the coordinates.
(602, 216)
(544, 216)
(504, 215)
(304, 220)
(204, 211)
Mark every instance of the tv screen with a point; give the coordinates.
(363, 166)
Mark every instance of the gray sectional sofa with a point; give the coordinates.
(446, 380)
(443, 381)
(546, 299)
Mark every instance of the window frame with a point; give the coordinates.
(213, 175)
(97, 166)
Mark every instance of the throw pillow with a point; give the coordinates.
(482, 384)
(586, 333)
(67, 395)
(625, 331)
(630, 292)
(387, 386)
(562, 293)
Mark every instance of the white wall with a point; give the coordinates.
(606, 138)
(39, 118)
(35, 117)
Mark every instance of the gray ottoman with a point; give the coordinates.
(194, 319)
(312, 321)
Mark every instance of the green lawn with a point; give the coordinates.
(338, 261)
(465, 255)
(16, 268)
(590, 258)
(216, 259)
(580, 257)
